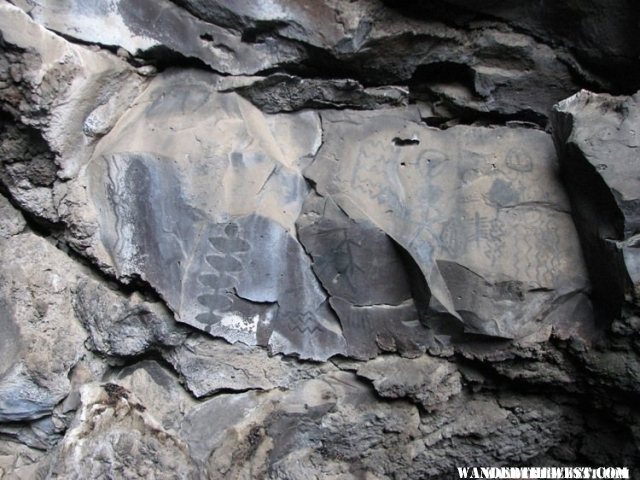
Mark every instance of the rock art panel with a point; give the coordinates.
(193, 187)
(366, 278)
(481, 211)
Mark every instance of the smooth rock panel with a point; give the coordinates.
(481, 211)
(193, 187)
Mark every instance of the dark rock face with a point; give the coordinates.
(287, 93)
(303, 239)
(601, 163)
(600, 32)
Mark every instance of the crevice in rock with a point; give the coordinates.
(404, 142)
(120, 364)
(597, 217)
(54, 233)
(587, 74)
(163, 58)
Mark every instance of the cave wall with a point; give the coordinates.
(318, 239)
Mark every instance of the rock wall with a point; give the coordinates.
(303, 239)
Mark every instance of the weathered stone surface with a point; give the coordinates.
(481, 211)
(191, 239)
(366, 278)
(287, 93)
(479, 428)
(41, 434)
(219, 202)
(21, 462)
(210, 366)
(11, 220)
(123, 326)
(123, 24)
(598, 137)
(159, 390)
(41, 338)
(426, 380)
(496, 71)
(114, 433)
(601, 32)
(69, 93)
(319, 427)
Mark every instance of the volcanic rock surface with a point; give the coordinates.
(303, 239)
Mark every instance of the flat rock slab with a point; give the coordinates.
(148, 25)
(429, 381)
(409, 224)
(481, 211)
(598, 138)
(194, 187)
(210, 366)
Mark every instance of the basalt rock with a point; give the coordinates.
(490, 70)
(41, 338)
(600, 32)
(303, 239)
(114, 433)
(479, 211)
(598, 139)
(287, 93)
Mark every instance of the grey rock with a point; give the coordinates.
(231, 413)
(356, 262)
(57, 88)
(486, 430)
(28, 168)
(209, 366)
(614, 370)
(215, 232)
(287, 93)
(295, 20)
(21, 462)
(115, 435)
(428, 381)
(122, 24)
(334, 425)
(41, 338)
(496, 70)
(457, 201)
(11, 220)
(41, 434)
(203, 252)
(124, 326)
(597, 137)
(534, 363)
(320, 427)
(159, 390)
(600, 32)
(366, 278)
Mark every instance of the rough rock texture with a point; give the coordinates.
(300, 239)
(600, 33)
(600, 162)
